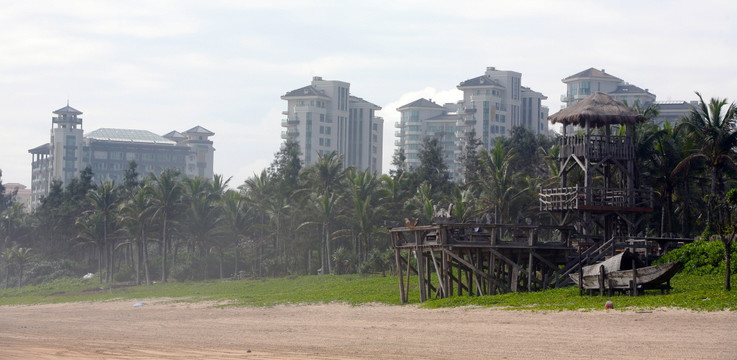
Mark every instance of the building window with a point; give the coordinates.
(322, 129)
(585, 88)
(327, 142)
(327, 130)
(322, 142)
(322, 117)
(375, 127)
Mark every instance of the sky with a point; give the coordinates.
(223, 65)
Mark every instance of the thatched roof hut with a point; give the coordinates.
(598, 110)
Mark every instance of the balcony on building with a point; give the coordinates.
(288, 134)
(398, 124)
(287, 122)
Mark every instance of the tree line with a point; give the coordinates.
(325, 218)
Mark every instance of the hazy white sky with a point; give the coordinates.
(172, 65)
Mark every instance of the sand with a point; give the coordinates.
(165, 330)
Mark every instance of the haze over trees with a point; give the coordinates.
(328, 219)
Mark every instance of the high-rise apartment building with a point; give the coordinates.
(324, 117)
(109, 151)
(579, 86)
(492, 105)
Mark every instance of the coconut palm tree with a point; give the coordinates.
(103, 199)
(91, 233)
(201, 218)
(165, 191)
(7, 258)
(326, 177)
(236, 222)
(327, 174)
(464, 205)
(324, 208)
(421, 204)
(659, 170)
(714, 127)
(21, 256)
(497, 183)
(257, 190)
(135, 219)
(366, 195)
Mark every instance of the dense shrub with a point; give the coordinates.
(376, 262)
(700, 257)
(37, 272)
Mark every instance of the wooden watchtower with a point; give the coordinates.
(599, 193)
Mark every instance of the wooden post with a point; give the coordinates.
(530, 270)
(634, 279)
(402, 294)
(421, 273)
(409, 272)
(580, 275)
(602, 277)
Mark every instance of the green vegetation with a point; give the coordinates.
(694, 292)
(325, 218)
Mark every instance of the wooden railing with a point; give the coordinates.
(597, 147)
(575, 198)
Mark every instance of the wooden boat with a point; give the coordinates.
(617, 272)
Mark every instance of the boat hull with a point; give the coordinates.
(646, 276)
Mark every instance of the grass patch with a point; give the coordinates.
(696, 292)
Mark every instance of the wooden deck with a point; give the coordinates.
(476, 259)
(596, 199)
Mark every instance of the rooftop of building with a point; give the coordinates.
(360, 100)
(176, 135)
(592, 73)
(200, 131)
(421, 103)
(128, 135)
(307, 91)
(483, 80)
(67, 110)
(630, 89)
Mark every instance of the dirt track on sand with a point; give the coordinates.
(161, 330)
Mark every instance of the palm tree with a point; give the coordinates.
(366, 196)
(202, 217)
(326, 177)
(21, 256)
(327, 174)
(91, 232)
(464, 205)
(135, 220)
(7, 257)
(257, 190)
(714, 127)
(396, 195)
(325, 208)
(659, 169)
(236, 221)
(165, 191)
(497, 183)
(103, 200)
(421, 205)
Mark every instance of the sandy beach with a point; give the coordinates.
(163, 329)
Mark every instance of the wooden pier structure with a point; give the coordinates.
(480, 259)
(598, 203)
